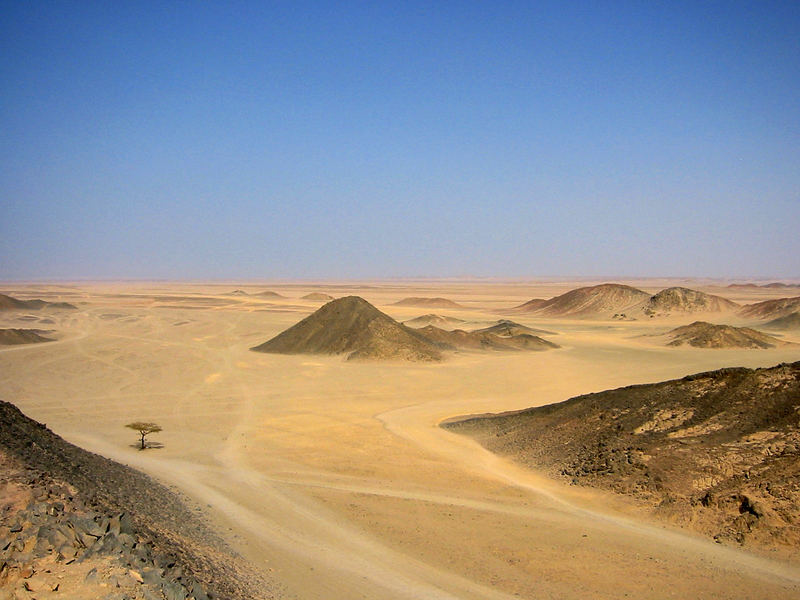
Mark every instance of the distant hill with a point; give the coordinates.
(354, 327)
(771, 309)
(531, 305)
(9, 303)
(318, 297)
(790, 322)
(428, 303)
(238, 293)
(504, 327)
(270, 294)
(12, 337)
(718, 451)
(595, 301)
(433, 319)
(685, 300)
(476, 340)
(743, 286)
(775, 285)
(706, 335)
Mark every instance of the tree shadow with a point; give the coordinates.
(148, 446)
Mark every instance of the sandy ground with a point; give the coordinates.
(333, 476)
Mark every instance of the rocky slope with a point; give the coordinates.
(428, 303)
(771, 309)
(595, 301)
(504, 327)
(433, 319)
(103, 527)
(318, 297)
(790, 322)
(11, 337)
(685, 300)
(718, 452)
(459, 339)
(707, 335)
(9, 303)
(354, 327)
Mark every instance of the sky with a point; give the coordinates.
(357, 140)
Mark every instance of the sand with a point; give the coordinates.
(334, 477)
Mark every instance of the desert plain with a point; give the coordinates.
(333, 477)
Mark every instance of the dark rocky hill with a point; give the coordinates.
(11, 337)
(595, 301)
(477, 340)
(790, 322)
(354, 327)
(771, 309)
(716, 451)
(9, 303)
(433, 319)
(85, 507)
(685, 300)
(707, 335)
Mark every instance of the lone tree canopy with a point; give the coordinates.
(144, 430)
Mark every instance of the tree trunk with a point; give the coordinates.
(142, 448)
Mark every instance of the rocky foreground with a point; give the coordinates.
(718, 452)
(76, 525)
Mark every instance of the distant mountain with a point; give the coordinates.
(238, 293)
(318, 297)
(595, 301)
(354, 327)
(270, 294)
(685, 300)
(9, 337)
(717, 451)
(771, 309)
(476, 340)
(504, 327)
(9, 303)
(706, 335)
(790, 322)
(433, 319)
(428, 303)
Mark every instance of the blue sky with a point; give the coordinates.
(360, 140)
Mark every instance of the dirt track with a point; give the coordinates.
(335, 475)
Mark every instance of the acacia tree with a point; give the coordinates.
(144, 429)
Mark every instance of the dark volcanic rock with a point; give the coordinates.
(90, 506)
(717, 451)
(354, 327)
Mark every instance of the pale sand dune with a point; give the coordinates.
(336, 476)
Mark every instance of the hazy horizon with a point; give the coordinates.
(300, 142)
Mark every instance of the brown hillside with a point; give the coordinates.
(771, 309)
(318, 297)
(11, 337)
(428, 303)
(352, 326)
(433, 319)
(466, 340)
(685, 300)
(790, 322)
(9, 303)
(707, 335)
(504, 327)
(718, 451)
(595, 301)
